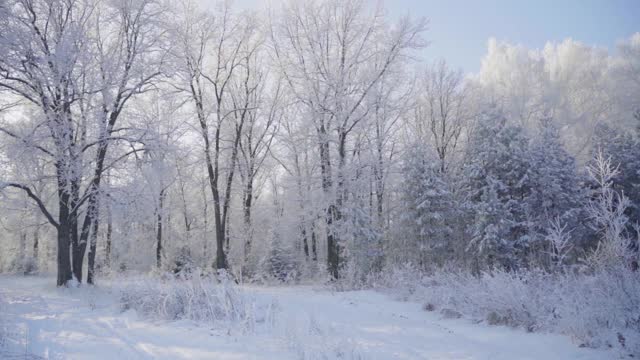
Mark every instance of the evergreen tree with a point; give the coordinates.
(558, 194)
(498, 180)
(362, 242)
(429, 207)
(281, 262)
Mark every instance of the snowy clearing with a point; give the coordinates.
(308, 323)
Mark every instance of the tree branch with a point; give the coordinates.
(33, 196)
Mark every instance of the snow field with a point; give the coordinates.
(275, 323)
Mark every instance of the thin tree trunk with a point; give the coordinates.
(212, 172)
(230, 175)
(91, 266)
(206, 222)
(248, 203)
(314, 250)
(159, 229)
(107, 255)
(305, 242)
(36, 240)
(94, 218)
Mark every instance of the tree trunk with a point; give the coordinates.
(107, 255)
(229, 182)
(221, 258)
(80, 247)
(159, 230)
(335, 214)
(36, 240)
(333, 246)
(91, 266)
(78, 250)
(305, 242)
(91, 218)
(64, 241)
(206, 223)
(78, 244)
(333, 258)
(314, 251)
(248, 203)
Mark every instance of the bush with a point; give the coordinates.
(198, 297)
(597, 309)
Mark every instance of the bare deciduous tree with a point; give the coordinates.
(325, 51)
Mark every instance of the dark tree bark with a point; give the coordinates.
(206, 221)
(159, 211)
(332, 213)
(314, 251)
(62, 225)
(213, 170)
(91, 265)
(36, 241)
(91, 222)
(107, 254)
(64, 239)
(305, 243)
(247, 204)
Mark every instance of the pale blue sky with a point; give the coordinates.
(459, 29)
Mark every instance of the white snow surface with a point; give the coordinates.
(309, 323)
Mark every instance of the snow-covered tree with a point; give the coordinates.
(443, 110)
(332, 54)
(77, 64)
(498, 178)
(428, 211)
(607, 211)
(622, 152)
(558, 195)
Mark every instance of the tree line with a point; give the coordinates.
(303, 140)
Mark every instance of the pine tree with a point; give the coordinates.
(362, 242)
(558, 193)
(498, 180)
(428, 210)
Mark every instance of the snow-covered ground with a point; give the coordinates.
(309, 323)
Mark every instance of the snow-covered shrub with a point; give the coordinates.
(608, 212)
(560, 244)
(197, 297)
(600, 309)
(502, 297)
(404, 279)
(183, 261)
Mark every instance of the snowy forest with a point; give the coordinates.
(313, 144)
